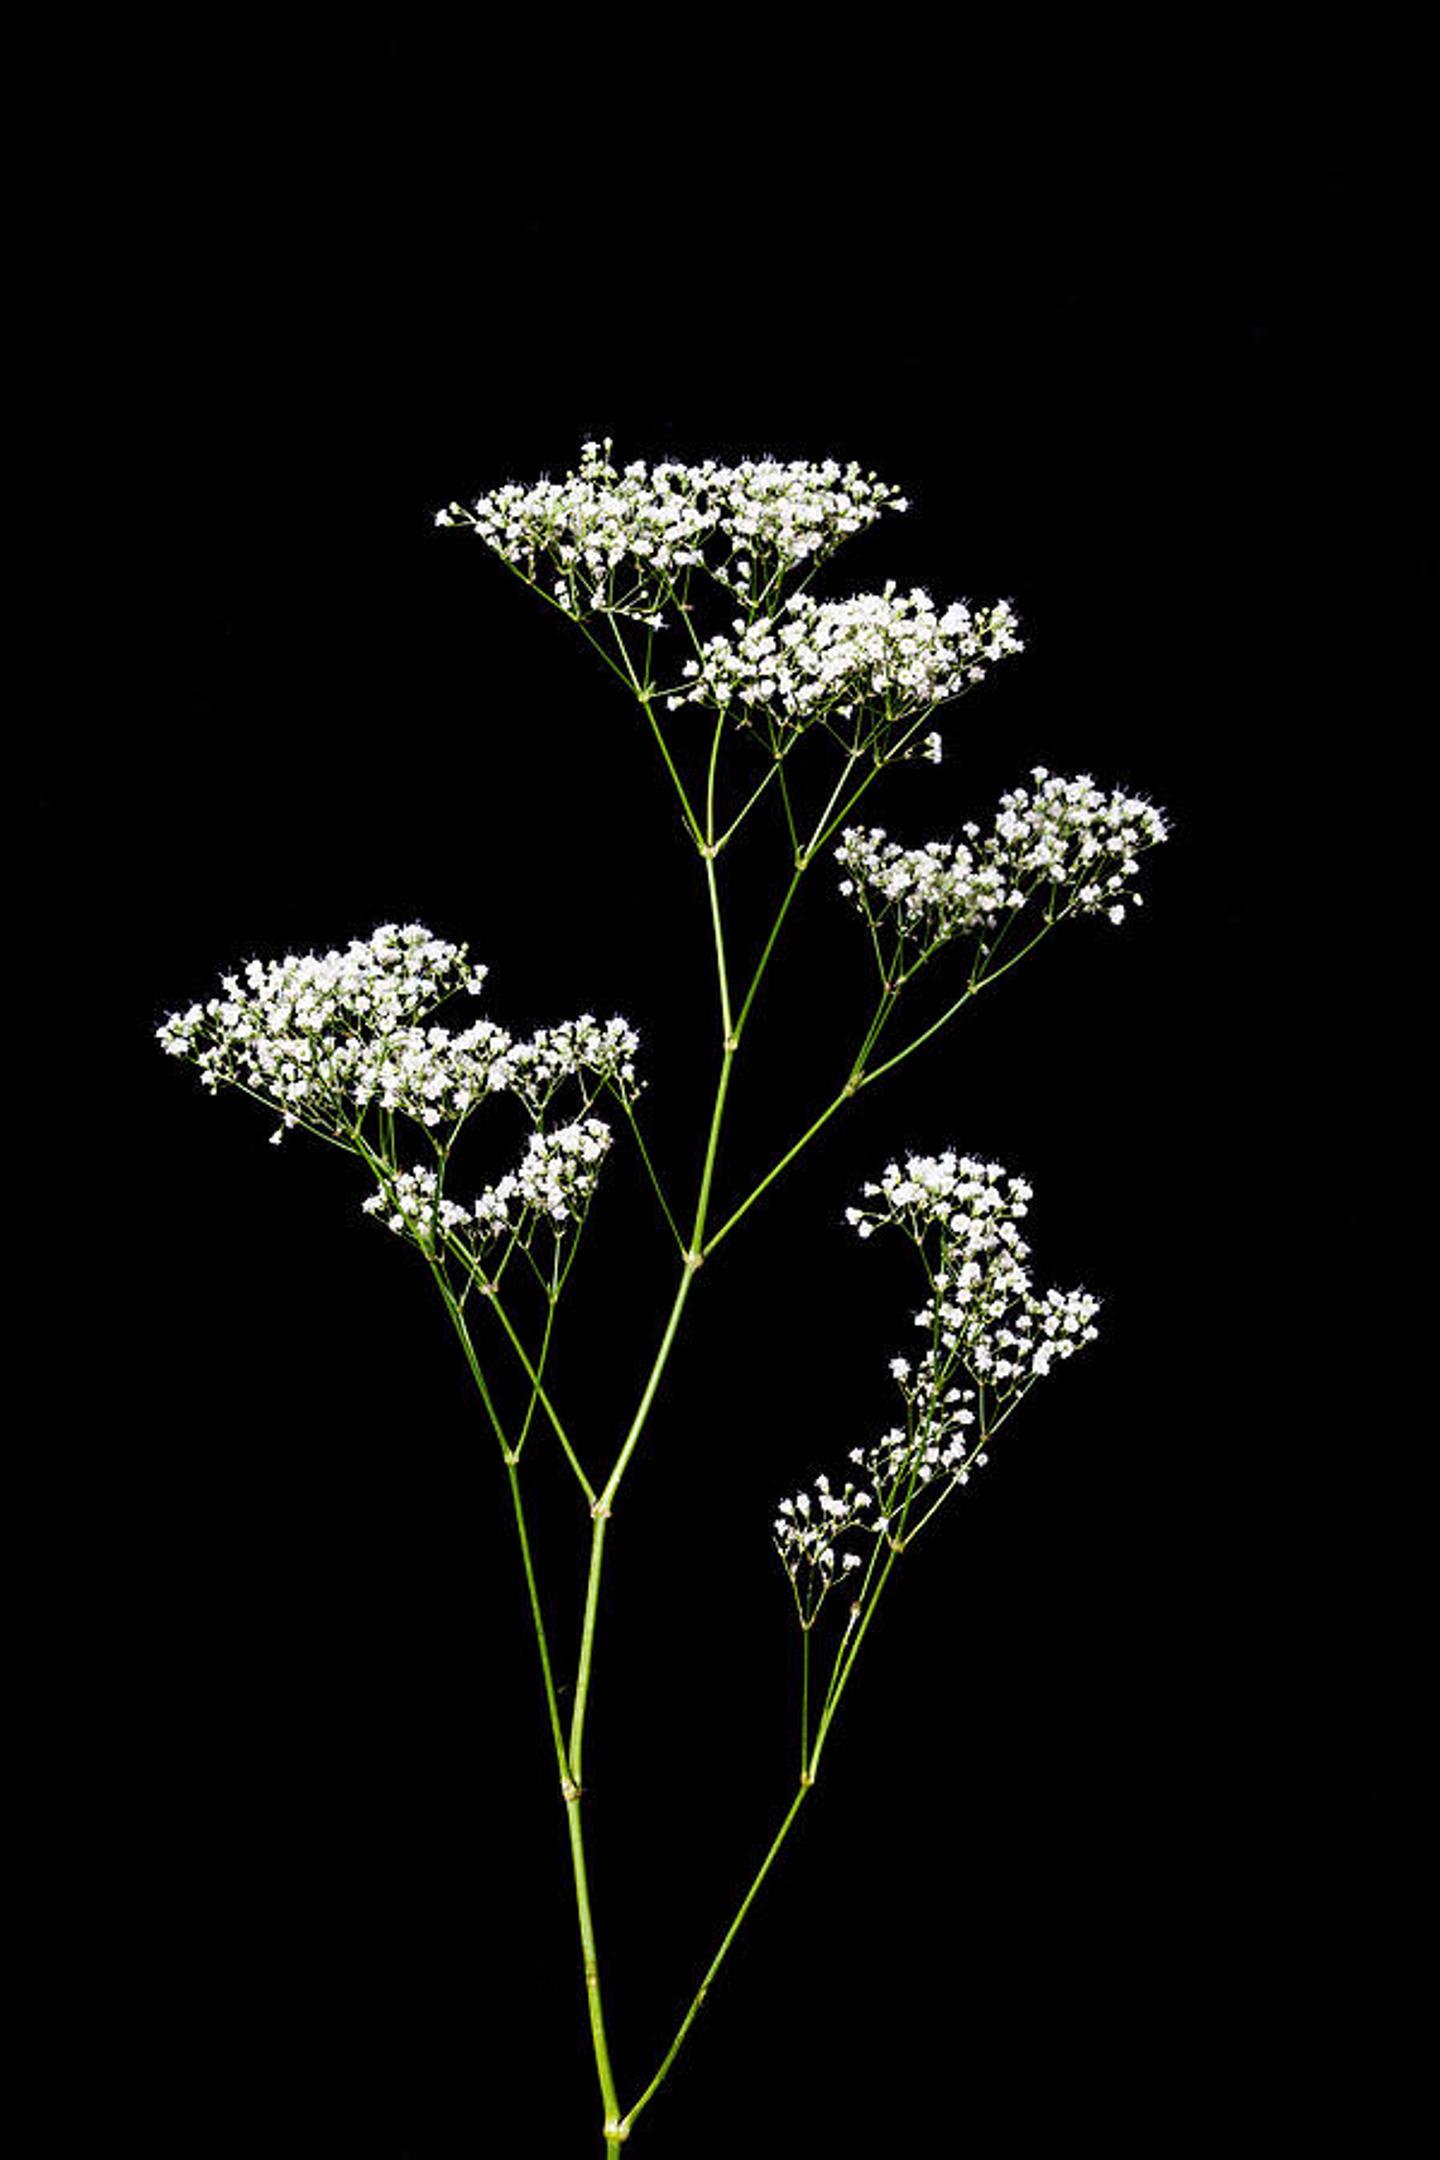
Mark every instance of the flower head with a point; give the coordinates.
(1064, 840)
(621, 541)
(989, 1336)
(862, 667)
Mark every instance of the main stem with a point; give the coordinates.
(615, 2130)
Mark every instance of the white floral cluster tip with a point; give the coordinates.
(554, 1182)
(990, 1337)
(620, 540)
(1066, 839)
(325, 1037)
(333, 1040)
(885, 656)
(322, 1036)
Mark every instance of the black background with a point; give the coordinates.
(323, 1889)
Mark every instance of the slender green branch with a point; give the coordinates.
(764, 961)
(511, 1457)
(489, 1289)
(692, 823)
(972, 989)
(845, 1656)
(552, 1300)
(468, 1346)
(718, 1960)
(817, 837)
(783, 1164)
(601, 1516)
(552, 1700)
(804, 1695)
(657, 1187)
(736, 822)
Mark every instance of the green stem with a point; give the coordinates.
(656, 1186)
(590, 1958)
(552, 1700)
(764, 961)
(486, 1285)
(718, 1960)
(844, 1665)
(783, 1164)
(512, 1465)
(601, 1510)
(972, 989)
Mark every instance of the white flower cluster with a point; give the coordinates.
(982, 1309)
(936, 1441)
(982, 1319)
(554, 1181)
(415, 1207)
(620, 540)
(601, 1055)
(1067, 835)
(962, 1198)
(880, 653)
(323, 1038)
(807, 1534)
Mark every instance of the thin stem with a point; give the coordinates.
(552, 1299)
(471, 1357)
(845, 1661)
(537, 1386)
(783, 1164)
(511, 1456)
(804, 1696)
(734, 826)
(764, 961)
(587, 1644)
(719, 1958)
(552, 1700)
(656, 1186)
(972, 989)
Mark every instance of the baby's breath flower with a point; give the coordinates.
(321, 1037)
(621, 542)
(984, 1324)
(1066, 839)
(559, 1170)
(982, 1312)
(871, 663)
(326, 1040)
(553, 1182)
(598, 1055)
(412, 1206)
